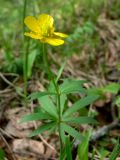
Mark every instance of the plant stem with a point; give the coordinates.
(25, 69)
(24, 13)
(25, 56)
(59, 120)
(45, 60)
(50, 75)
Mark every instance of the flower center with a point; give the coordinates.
(47, 31)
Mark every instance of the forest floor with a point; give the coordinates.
(103, 69)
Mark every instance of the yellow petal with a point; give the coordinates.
(53, 41)
(32, 23)
(60, 34)
(32, 35)
(45, 19)
(46, 24)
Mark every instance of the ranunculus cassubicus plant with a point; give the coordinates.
(54, 111)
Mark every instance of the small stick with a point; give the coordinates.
(104, 130)
(6, 134)
(5, 91)
(7, 81)
(7, 145)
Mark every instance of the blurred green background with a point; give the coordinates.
(78, 18)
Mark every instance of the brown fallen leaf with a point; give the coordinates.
(22, 146)
(16, 129)
(102, 102)
(12, 130)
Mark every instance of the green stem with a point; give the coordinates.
(24, 13)
(25, 68)
(25, 56)
(59, 120)
(50, 75)
(45, 61)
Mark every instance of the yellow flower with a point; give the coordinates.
(42, 29)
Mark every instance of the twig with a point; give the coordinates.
(7, 145)
(7, 81)
(104, 130)
(5, 91)
(6, 134)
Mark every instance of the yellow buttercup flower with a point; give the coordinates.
(43, 29)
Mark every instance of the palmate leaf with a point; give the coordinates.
(80, 120)
(80, 104)
(63, 99)
(68, 148)
(31, 59)
(37, 95)
(47, 104)
(43, 128)
(117, 101)
(35, 117)
(112, 88)
(62, 154)
(71, 131)
(62, 133)
(95, 91)
(72, 86)
(60, 71)
(51, 87)
(83, 146)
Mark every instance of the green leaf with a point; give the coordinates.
(117, 101)
(63, 99)
(62, 154)
(62, 133)
(95, 91)
(68, 148)
(51, 87)
(72, 86)
(103, 153)
(2, 154)
(116, 151)
(47, 104)
(80, 104)
(80, 120)
(31, 58)
(60, 71)
(37, 95)
(71, 131)
(83, 146)
(112, 88)
(42, 129)
(35, 117)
